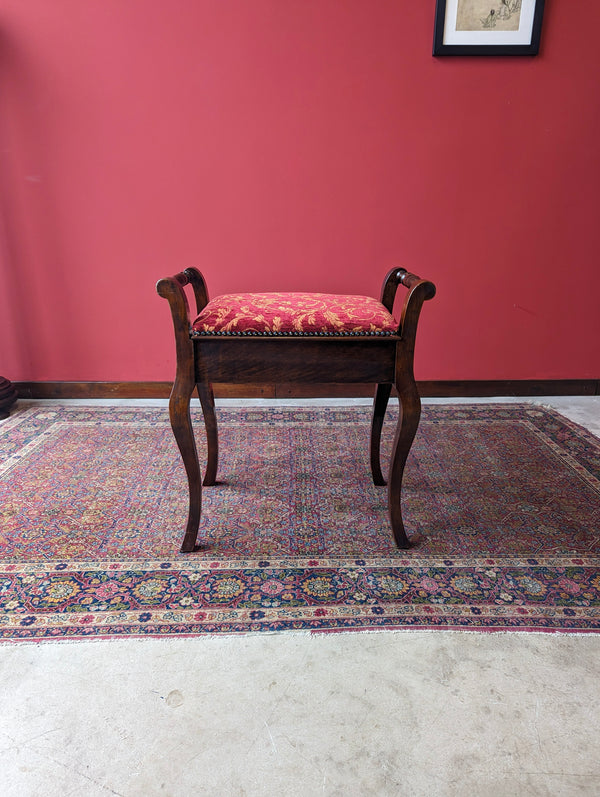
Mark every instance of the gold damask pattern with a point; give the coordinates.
(294, 314)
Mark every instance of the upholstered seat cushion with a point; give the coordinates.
(294, 314)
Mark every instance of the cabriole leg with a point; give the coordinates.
(382, 395)
(207, 400)
(408, 421)
(181, 423)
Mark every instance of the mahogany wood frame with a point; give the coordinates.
(386, 361)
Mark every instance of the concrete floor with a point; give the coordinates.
(385, 713)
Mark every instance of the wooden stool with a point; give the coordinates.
(294, 337)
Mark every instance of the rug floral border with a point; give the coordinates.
(164, 598)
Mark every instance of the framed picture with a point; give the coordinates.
(488, 27)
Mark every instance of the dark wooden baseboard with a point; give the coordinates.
(442, 389)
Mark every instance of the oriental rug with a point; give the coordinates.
(295, 536)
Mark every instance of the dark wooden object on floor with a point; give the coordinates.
(8, 396)
(386, 361)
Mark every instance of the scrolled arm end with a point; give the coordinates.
(411, 281)
(400, 276)
(172, 289)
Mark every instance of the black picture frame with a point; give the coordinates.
(492, 38)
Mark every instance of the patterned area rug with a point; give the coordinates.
(93, 504)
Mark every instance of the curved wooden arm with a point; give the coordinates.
(390, 286)
(193, 277)
(400, 275)
(198, 283)
(172, 289)
(419, 291)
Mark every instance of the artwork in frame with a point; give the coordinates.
(488, 27)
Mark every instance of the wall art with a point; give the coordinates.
(488, 27)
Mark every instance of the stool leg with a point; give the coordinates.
(408, 421)
(382, 395)
(181, 423)
(207, 400)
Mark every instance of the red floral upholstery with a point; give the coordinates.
(294, 314)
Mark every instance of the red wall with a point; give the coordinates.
(293, 144)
